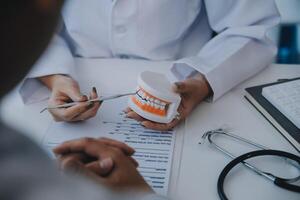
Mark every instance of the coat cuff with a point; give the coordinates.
(56, 60)
(188, 68)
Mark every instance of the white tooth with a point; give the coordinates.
(148, 103)
(156, 106)
(151, 99)
(161, 107)
(157, 101)
(143, 102)
(163, 104)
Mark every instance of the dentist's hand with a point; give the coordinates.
(66, 90)
(192, 91)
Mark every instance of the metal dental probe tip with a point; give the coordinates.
(101, 99)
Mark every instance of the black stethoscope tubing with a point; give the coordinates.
(280, 182)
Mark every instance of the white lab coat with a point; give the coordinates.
(175, 30)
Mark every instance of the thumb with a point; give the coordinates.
(102, 167)
(75, 95)
(106, 165)
(181, 87)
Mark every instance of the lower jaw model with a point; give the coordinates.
(154, 99)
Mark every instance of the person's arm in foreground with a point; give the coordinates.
(100, 170)
(108, 163)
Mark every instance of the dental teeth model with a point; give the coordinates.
(154, 99)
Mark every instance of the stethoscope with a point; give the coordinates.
(280, 182)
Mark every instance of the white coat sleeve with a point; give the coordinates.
(240, 50)
(57, 59)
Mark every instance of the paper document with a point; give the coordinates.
(154, 149)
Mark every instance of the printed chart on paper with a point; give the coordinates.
(154, 149)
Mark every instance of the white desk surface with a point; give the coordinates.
(200, 165)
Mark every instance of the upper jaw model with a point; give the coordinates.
(154, 99)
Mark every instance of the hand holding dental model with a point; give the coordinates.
(160, 105)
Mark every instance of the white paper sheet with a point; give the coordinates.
(154, 149)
